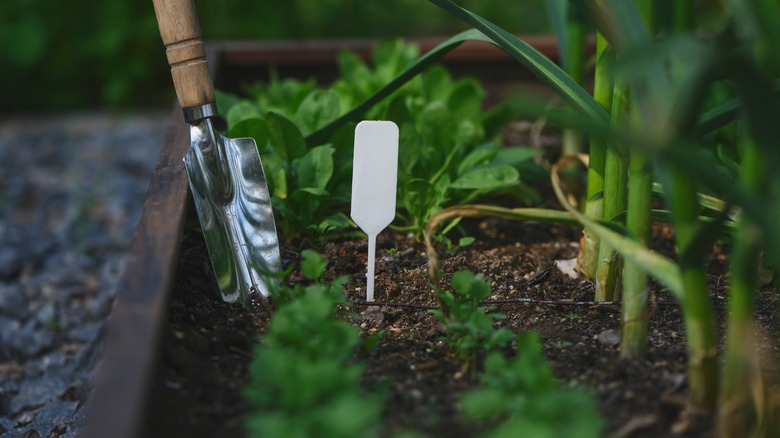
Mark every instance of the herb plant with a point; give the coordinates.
(468, 324)
(521, 397)
(302, 381)
(312, 267)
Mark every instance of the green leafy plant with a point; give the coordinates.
(521, 397)
(468, 324)
(302, 381)
(665, 126)
(450, 149)
(312, 267)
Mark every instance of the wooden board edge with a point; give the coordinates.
(139, 311)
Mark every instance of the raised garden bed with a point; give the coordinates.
(176, 361)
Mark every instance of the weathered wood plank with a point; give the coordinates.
(140, 308)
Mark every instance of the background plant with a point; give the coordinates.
(450, 153)
(521, 397)
(87, 56)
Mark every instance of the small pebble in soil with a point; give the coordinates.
(610, 338)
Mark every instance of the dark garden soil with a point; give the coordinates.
(208, 344)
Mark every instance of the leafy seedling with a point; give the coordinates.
(469, 324)
(374, 180)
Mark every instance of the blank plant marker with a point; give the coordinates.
(374, 179)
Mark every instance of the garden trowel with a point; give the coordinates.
(226, 175)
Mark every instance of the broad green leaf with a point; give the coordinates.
(466, 241)
(465, 100)
(409, 148)
(285, 138)
(469, 133)
(355, 74)
(436, 126)
(225, 101)
(312, 191)
(391, 56)
(286, 95)
(397, 111)
(487, 178)
(411, 72)
(317, 109)
(478, 157)
(254, 128)
(316, 168)
(516, 156)
(437, 83)
(419, 197)
(242, 110)
(275, 173)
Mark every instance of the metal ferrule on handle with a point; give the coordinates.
(180, 32)
(196, 113)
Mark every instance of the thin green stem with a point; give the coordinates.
(683, 15)
(635, 292)
(697, 309)
(574, 65)
(739, 371)
(602, 93)
(638, 222)
(615, 192)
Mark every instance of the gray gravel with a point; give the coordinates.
(71, 193)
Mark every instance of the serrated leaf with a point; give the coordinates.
(312, 264)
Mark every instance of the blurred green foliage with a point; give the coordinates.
(78, 54)
(81, 54)
(357, 18)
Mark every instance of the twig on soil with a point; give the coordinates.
(512, 301)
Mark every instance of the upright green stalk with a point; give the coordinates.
(615, 191)
(683, 15)
(735, 417)
(602, 92)
(634, 312)
(640, 185)
(697, 309)
(574, 65)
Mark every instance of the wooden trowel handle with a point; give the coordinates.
(180, 32)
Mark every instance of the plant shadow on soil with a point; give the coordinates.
(207, 345)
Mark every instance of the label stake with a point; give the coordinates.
(374, 181)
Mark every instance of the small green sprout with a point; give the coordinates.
(469, 325)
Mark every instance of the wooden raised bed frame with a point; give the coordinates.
(140, 309)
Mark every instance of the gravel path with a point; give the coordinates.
(71, 192)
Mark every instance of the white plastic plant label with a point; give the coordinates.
(374, 181)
